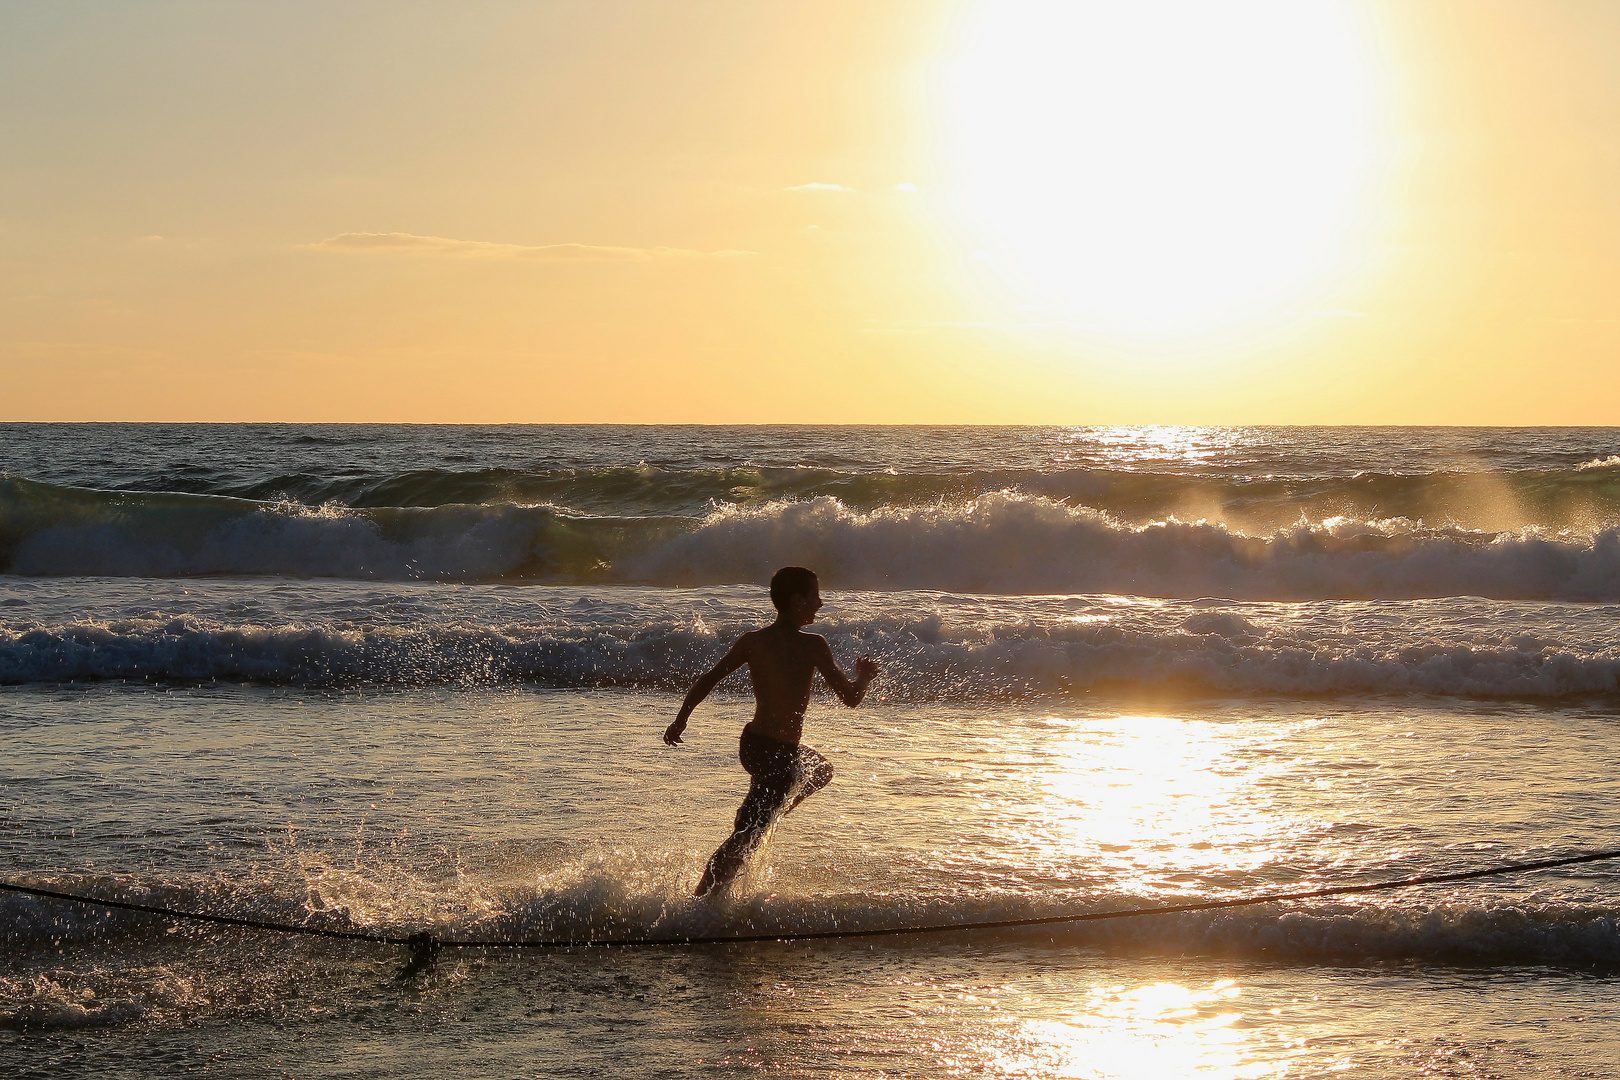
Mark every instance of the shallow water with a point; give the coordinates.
(519, 814)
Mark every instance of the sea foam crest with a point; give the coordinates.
(1002, 542)
(923, 658)
(1009, 543)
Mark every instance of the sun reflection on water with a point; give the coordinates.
(1129, 446)
(1159, 1029)
(1161, 803)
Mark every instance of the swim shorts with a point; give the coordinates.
(780, 770)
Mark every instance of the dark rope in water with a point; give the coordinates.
(427, 941)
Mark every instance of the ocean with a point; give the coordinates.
(399, 678)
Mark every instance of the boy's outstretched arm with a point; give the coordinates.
(735, 658)
(850, 693)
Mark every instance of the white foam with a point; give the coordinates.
(1007, 543)
(924, 656)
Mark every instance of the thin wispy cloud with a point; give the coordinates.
(409, 244)
(818, 187)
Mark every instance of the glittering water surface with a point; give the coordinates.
(512, 814)
(406, 679)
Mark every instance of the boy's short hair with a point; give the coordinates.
(788, 582)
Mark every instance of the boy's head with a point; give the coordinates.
(794, 587)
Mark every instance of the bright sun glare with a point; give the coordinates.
(1161, 167)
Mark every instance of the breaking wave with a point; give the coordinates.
(1006, 543)
(1003, 542)
(1212, 653)
(590, 895)
(1587, 495)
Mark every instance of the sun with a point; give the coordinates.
(1161, 167)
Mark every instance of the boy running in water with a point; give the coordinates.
(782, 660)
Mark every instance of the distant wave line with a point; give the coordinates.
(1004, 542)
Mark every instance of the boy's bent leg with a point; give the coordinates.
(815, 773)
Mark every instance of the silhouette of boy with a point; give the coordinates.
(782, 660)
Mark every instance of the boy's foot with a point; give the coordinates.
(713, 882)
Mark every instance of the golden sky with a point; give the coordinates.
(756, 211)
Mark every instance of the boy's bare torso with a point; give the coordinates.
(782, 663)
